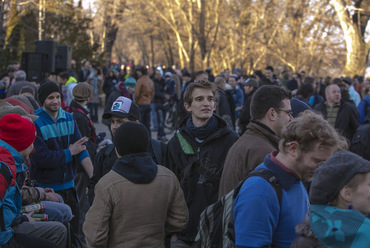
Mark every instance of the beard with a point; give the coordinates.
(51, 109)
(304, 173)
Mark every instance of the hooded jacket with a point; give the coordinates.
(200, 173)
(136, 205)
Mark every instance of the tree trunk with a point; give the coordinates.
(152, 50)
(355, 44)
(110, 38)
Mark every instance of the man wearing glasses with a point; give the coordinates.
(270, 113)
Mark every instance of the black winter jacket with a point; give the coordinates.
(245, 113)
(85, 130)
(223, 108)
(199, 173)
(348, 118)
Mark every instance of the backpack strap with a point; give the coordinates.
(270, 178)
(5, 172)
(185, 145)
(109, 149)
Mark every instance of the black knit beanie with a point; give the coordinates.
(46, 88)
(131, 137)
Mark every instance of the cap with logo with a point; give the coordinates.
(123, 107)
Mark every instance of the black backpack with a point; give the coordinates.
(216, 226)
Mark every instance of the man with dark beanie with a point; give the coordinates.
(138, 202)
(122, 110)
(59, 149)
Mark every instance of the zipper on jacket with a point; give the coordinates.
(57, 129)
(198, 153)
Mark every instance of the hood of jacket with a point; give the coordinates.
(137, 167)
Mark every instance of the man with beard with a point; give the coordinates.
(59, 147)
(262, 219)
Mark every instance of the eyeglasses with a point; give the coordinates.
(289, 112)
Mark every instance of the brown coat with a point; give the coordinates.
(125, 214)
(245, 155)
(144, 92)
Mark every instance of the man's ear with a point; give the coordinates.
(187, 106)
(293, 148)
(271, 114)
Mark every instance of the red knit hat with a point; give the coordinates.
(17, 131)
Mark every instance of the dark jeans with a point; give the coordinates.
(161, 113)
(93, 109)
(70, 198)
(145, 116)
(22, 241)
(81, 183)
(154, 116)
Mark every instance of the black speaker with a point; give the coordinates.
(47, 47)
(63, 58)
(32, 65)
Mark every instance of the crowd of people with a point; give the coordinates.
(64, 185)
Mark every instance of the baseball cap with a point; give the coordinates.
(334, 174)
(123, 107)
(251, 82)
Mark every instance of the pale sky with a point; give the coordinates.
(86, 3)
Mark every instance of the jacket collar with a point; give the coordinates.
(41, 112)
(78, 106)
(263, 126)
(262, 129)
(285, 177)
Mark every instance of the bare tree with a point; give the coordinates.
(353, 20)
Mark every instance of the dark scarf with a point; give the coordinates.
(137, 167)
(201, 132)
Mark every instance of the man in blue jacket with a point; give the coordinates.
(261, 218)
(59, 148)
